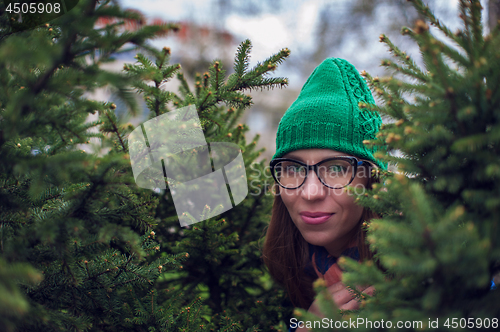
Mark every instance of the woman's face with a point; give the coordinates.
(325, 217)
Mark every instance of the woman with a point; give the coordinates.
(320, 151)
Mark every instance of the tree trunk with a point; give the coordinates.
(493, 13)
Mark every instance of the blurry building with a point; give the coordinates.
(195, 47)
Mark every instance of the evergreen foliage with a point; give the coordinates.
(437, 241)
(83, 248)
(224, 267)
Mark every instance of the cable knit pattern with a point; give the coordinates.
(360, 94)
(326, 114)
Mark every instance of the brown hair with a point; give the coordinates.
(286, 253)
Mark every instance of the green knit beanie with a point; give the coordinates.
(326, 114)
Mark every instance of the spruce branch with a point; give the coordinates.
(427, 13)
(217, 83)
(468, 36)
(411, 67)
(443, 130)
(65, 59)
(111, 121)
(184, 88)
(242, 58)
(67, 55)
(146, 63)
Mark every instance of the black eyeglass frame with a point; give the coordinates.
(355, 162)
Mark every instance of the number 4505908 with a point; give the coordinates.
(34, 8)
(471, 323)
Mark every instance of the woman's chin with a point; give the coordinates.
(318, 241)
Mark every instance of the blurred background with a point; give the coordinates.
(312, 29)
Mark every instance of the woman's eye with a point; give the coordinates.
(337, 168)
(294, 169)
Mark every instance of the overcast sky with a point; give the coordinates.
(292, 25)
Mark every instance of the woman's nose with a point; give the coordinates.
(313, 188)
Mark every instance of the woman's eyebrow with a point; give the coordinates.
(295, 158)
(302, 160)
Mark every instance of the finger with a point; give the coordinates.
(355, 302)
(340, 293)
(336, 287)
(370, 290)
(362, 288)
(366, 289)
(351, 305)
(342, 297)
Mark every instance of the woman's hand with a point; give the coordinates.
(343, 298)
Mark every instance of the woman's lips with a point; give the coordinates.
(315, 218)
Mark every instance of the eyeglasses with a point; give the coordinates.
(334, 173)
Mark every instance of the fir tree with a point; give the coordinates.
(437, 239)
(83, 248)
(224, 267)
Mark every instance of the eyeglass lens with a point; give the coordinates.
(334, 173)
